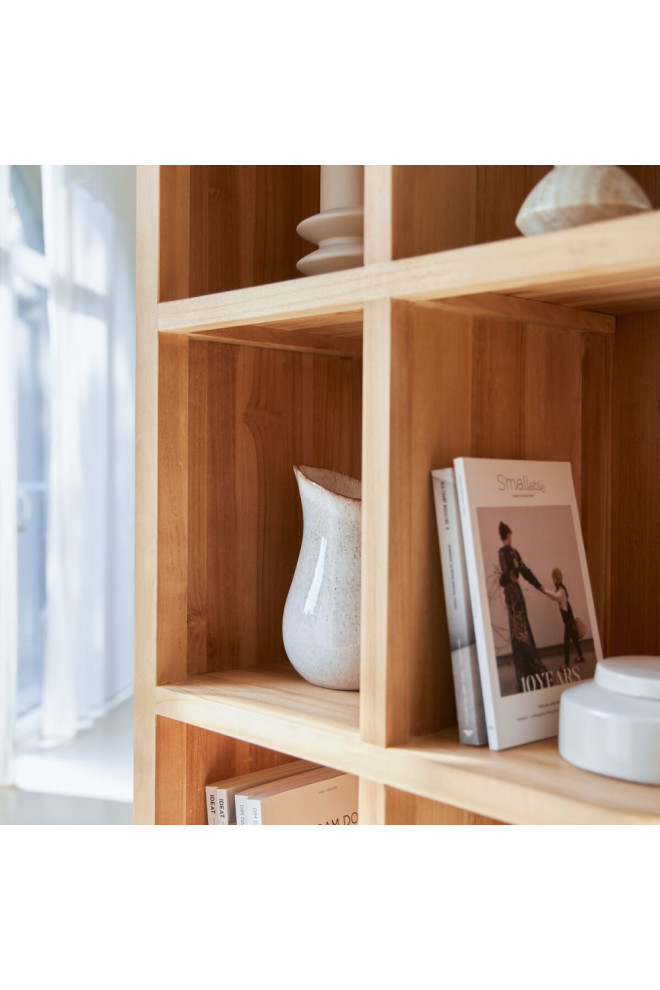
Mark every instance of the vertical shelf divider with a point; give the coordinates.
(377, 213)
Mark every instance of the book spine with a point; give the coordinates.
(210, 805)
(221, 816)
(473, 582)
(465, 667)
(241, 804)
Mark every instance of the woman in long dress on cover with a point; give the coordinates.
(526, 660)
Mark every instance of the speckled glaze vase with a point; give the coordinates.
(321, 621)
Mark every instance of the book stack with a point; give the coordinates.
(296, 793)
(520, 611)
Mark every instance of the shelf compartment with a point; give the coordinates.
(189, 758)
(611, 267)
(230, 226)
(530, 382)
(440, 207)
(234, 420)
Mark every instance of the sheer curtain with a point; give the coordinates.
(89, 231)
(8, 515)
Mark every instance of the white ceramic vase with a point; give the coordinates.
(572, 195)
(321, 621)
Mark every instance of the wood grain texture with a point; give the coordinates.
(173, 433)
(276, 692)
(375, 674)
(174, 218)
(189, 758)
(439, 207)
(634, 597)
(257, 412)
(252, 213)
(593, 476)
(232, 226)
(451, 385)
(493, 304)
(275, 338)
(381, 805)
(377, 213)
(403, 808)
(372, 803)
(648, 177)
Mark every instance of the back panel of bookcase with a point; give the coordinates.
(228, 227)
(234, 421)
(634, 599)
(482, 386)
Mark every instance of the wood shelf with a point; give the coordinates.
(610, 267)
(524, 785)
(273, 706)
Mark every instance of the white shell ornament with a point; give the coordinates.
(572, 195)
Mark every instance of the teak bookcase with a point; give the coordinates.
(457, 337)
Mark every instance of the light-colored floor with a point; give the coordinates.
(88, 781)
(28, 808)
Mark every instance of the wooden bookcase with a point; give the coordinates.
(457, 336)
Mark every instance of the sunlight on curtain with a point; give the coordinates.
(89, 226)
(8, 520)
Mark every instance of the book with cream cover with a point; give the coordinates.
(220, 795)
(534, 616)
(317, 797)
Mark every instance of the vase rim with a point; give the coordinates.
(308, 471)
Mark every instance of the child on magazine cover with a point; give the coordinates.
(560, 595)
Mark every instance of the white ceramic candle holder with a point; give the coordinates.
(339, 228)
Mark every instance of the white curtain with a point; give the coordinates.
(8, 516)
(89, 230)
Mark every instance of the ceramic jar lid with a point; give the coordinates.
(635, 676)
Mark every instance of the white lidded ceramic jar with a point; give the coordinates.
(321, 621)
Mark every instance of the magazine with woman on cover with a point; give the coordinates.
(535, 622)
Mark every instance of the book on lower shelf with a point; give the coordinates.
(221, 794)
(534, 616)
(317, 797)
(464, 662)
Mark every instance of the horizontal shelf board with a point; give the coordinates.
(272, 707)
(526, 785)
(529, 784)
(610, 266)
(513, 308)
(275, 337)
